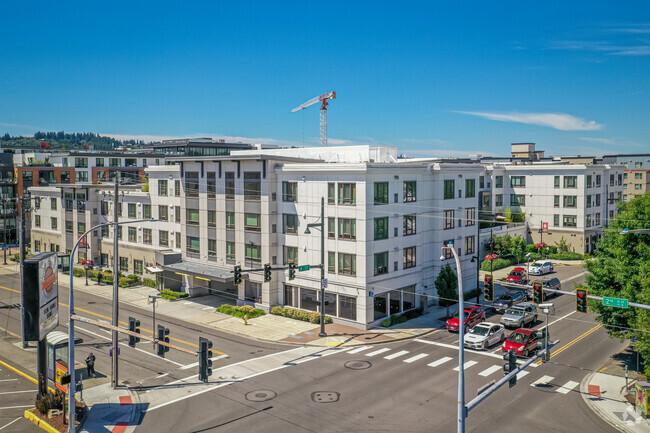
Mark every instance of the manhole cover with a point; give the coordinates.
(357, 365)
(325, 396)
(260, 395)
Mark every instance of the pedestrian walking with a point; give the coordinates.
(100, 277)
(90, 364)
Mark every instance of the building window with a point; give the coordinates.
(597, 199)
(556, 201)
(556, 181)
(331, 190)
(211, 184)
(347, 307)
(81, 176)
(470, 188)
(517, 181)
(498, 181)
(410, 191)
(347, 264)
(308, 299)
(449, 219)
(517, 200)
(290, 255)
(163, 213)
(124, 264)
(192, 184)
(331, 262)
(177, 188)
(381, 228)
(212, 248)
(252, 186)
(611, 180)
(133, 234)
(37, 203)
(449, 189)
(556, 220)
(381, 263)
(137, 267)
(114, 162)
(597, 180)
(55, 224)
(446, 252)
(212, 218)
(119, 233)
(163, 238)
(103, 259)
(381, 192)
(570, 181)
(146, 236)
(37, 246)
(409, 257)
(37, 220)
(290, 192)
(146, 211)
(331, 228)
(253, 253)
(570, 201)
(638, 186)
(131, 210)
(638, 175)
(99, 162)
(162, 188)
(130, 162)
(65, 176)
(81, 162)
(230, 185)
(481, 182)
(625, 176)
(469, 244)
(193, 245)
(498, 200)
(252, 222)
(470, 216)
(290, 224)
(192, 217)
(597, 219)
(53, 203)
(230, 250)
(409, 225)
(177, 214)
(569, 221)
(347, 193)
(69, 227)
(230, 220)
(588, 221)
(588, 181)
(638, 164)
(347, 228)
(588, 200)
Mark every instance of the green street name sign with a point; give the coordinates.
(303, 268)
(615, 302)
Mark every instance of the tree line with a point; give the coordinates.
(65, 140)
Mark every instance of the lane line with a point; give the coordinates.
(415, 358)
(7, 425)
(18, 392)
(17, 407)
(489, 371)
(567, 387)
(467, 365)
(544, 380)
(396, 355)
(450, 346)
(6, 380)
(521, 374)
(160, 376)
(359, 349)
(439, 361)
(377, 352)
(572, 342)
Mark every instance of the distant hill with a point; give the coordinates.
(68, 141)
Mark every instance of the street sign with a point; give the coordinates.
(371, 294)
(545, 226)
(303, 268)
(324, 283)
(615, 302)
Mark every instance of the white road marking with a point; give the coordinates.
(439, 361)
(208, 308)
(467, 365)
(567, 387)
(544, 380)
(450, 346)
(18, 392)
(396, 355)
(521, 374)
(161, 376)
(415, 358)
(489, 371)
(377, 352)
(359, 349)
(194, 364)
(7, 425)
(17, 407)
(7, 380)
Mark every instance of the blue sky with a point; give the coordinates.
(433, 78)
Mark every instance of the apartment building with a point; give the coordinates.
(636, 177)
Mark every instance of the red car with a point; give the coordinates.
(523, 340)
(517, 275)
(472, 316)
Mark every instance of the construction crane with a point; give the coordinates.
(323, 113)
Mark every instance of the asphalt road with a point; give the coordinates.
(17, 394)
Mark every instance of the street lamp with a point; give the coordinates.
(527, 265)
(478, 285)
(321, 226)
(461, 337)
(546, 308)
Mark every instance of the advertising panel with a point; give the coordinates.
(48, 295)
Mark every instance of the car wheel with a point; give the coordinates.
(525, 354)
(485, 345)
(466, 329)
(534, 320)
(503, 338)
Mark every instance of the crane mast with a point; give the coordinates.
(323, 112)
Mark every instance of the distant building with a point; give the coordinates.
(637, 173)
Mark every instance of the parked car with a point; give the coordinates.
(552, 283)
(518, 276)
(508, 299)
(484, 335)
(472, 316)
(524, 341)
(541, 267)
(519, 316)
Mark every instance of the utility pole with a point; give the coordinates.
(23, 253)
(115, 281)
(322, 267)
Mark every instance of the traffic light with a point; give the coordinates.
(134, 326)
(541, 344)
(488, 288)
(237, 278)
(204, 359)
(581, 300)
(292, 270)
(267, 272)
(163, 336)
(538, 292)
(510, 366)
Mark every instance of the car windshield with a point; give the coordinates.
(513, 312)
(457, 313)
(518, 338)
(538, 264)
(515, 274)
(505, 297)
(479, 330)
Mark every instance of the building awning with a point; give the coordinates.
(201, 270)
(154, 269)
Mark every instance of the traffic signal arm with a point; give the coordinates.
(581, 300)
(488, 288)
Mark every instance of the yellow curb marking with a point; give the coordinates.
(39, 422)
(574, 341)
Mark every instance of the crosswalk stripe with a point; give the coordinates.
(489, 371)
(567, 387)
(544, 380)
(521, 374)
(377, 352)
(416, 357)
(439, 361)
(396, 355)
(359, 349)
(467, 365)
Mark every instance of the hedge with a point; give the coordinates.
(305, 316)
(241, 311)
(401, 318)
(498, 264)
(149, 282)
(172, 294)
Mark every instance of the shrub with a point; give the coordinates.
(134, 277)
(149, 282)
(241, 311)
(50, 401)
(394, 320)
(78, 272)
(305, 316)
(567, 256)
(172, 294)
(498, 263)
(386, 322)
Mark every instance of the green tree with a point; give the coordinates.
(621, 269)
(507, 214)
(447, 287)
(563, 246)
(503, 245)
(518, 248)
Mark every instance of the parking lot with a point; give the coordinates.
(16, 395)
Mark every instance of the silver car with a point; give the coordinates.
(508, 299)
(519, 316)
(484, 335)
(541, 267)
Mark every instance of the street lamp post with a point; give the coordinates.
(152, 300)
(321, 226)
(461, 340)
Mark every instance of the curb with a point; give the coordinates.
(39, 422)
(601, 414)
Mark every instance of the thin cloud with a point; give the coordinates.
(610, 141)
(604, 47)
(559, 121)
